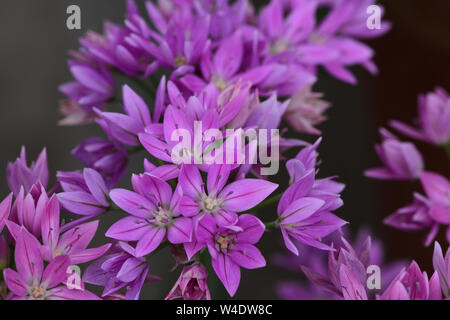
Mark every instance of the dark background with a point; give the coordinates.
(413, 58)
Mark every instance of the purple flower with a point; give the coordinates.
(415, 216)
(72, 243)
(413, 284)
(93, 87)
(84, 193)
(437, 189)
(191, 285)
(426, 212)
(304, 210)
(219, 200)
(442, 267)
(401, 159)
(126, 127)
(154, 214)
(434, 119)
(107, 157)
(18, 174)
(32, 282)
(120, 268)
(29, 209)
(232, 247)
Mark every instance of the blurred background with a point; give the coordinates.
(413, 58)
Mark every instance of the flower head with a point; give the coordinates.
(191, 285)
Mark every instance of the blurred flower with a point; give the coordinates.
(305, 111)
(442, 267)
(401, 159)
(434, 119)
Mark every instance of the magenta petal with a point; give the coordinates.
(226, 218)
(244, 194)
(180, 231)
(80, 202)
(15, 282)
(79, 238)
(56, 271)
(131, 269)
(352, 289)
(5, 208)
(247, 256)
(132, 203)
(155, 147)
(228, 272)
(436, 187)
(50, 223)
(28, 257)
(217, 177)
(191, 181)
(300, 210)
(154, 188)
(150, 241)
(135, 106)
(252, 227)
(64, 293)
(189, 207)
(87, 255)
(96, 185)
(128, 229)
(288, 242)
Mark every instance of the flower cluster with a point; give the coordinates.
(197, 80)
(403, 161)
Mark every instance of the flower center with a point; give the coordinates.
(279, 46)
(219, 82)
(163, 217)
(180, 61)
(225, 242)
(38, 292)
(211, 204)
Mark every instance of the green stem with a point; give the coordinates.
(272, 225)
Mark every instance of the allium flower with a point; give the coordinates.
(155, 214)
(120, 268)
(434, 119)
(413, 284)
(305, 111)
(437, 189)
(222, 68)
(32, 282)
(126, 127)
(442, 267)
(73, 242)
(415, 216)
(84, 193)
(191, 285)
(426, 212)
(401, 159)
(304, 210)
(232, 247)
(29, 209)
(18, 174)
(93, 87)
(219, 200)
(107, 157)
